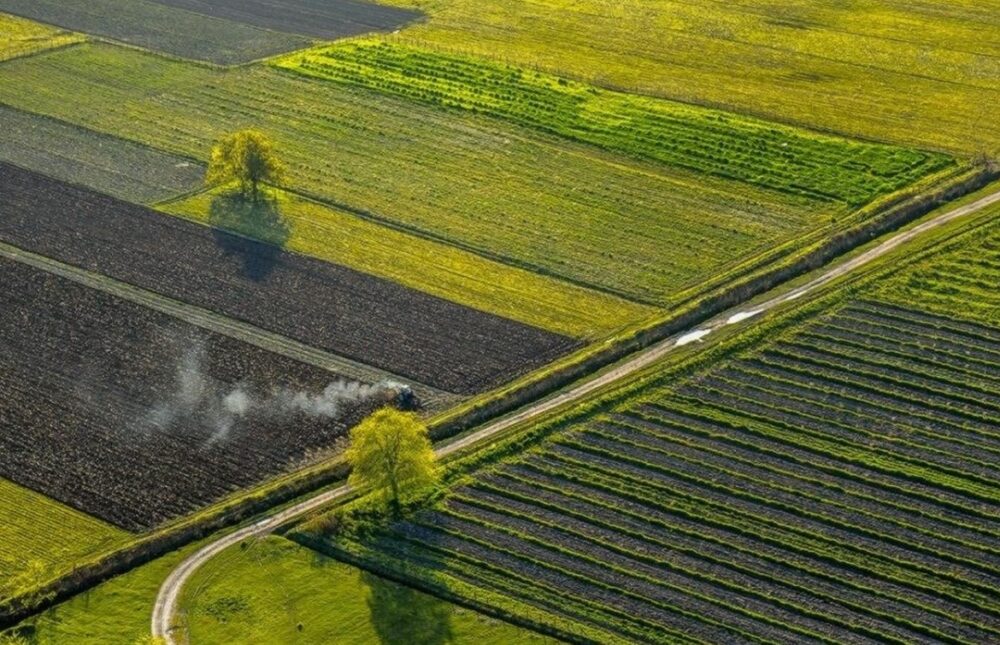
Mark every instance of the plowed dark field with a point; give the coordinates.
(122, 412)
(328, 19)
(367, 319)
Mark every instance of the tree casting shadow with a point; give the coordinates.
(253, 230)
(401, 615)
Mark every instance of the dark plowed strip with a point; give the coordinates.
(966, 328)
(902, 492)
(326, 19)
(772, 403)
(746, 503)
(802, 499)
(494, 507)
(332, 307)
(777, 533)
(985, 370)
(773, 469)
(661, 527)
(545, 566)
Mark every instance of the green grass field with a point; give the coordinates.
(324, 232)
(601, 220)
(830, 474)
(20, 37)
(924, 74)
(275, 591)
(41, 539)
(702, 140)
(116, 611)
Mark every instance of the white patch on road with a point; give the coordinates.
(740, 316)
(692, 337)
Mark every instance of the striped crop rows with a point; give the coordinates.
(841, 485)
(772, 156)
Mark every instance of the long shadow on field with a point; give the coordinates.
(400, 614)
(251, 220)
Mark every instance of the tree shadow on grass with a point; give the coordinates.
(253, 230)
(401, 615)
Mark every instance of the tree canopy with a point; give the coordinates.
(246, 157)
(391, 453)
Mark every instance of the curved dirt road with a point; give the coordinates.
(169, 594)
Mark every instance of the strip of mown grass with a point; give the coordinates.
(41, 538)
(819, 63)
(736, 147)
(20, 37)
(782, 490)
(107, 164)
(446, 271)
(604, 221)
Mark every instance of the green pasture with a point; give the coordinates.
(325, 232)
(923, 74)
(275, 591)
(41, 539)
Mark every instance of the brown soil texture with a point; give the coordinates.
(327, 19)
(331, 307)
(120, 411)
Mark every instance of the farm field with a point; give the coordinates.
(771, 156)
(159, 27)
(442, 270)
(366, 319)
(261, 594)
(20, 37)
(41, 539)
(136, 418)
(322, 19)
(107, 164)
(830, 477)
(568, 210)
(819, 63)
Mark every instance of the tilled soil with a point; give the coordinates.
(331, 307)
(326, 19)
(117, 410)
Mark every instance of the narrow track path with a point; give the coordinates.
(170, 591)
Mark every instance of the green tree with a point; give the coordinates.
(391, 453)
(248, 158)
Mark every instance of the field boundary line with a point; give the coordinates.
(218, 323)
(165, 607)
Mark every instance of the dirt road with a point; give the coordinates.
(170, 591)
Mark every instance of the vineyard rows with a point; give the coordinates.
(838, 485)
(735, 147)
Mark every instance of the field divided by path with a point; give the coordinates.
(331, 307)
(20, 37)
(639, 229)
(837, 483)
(915, 73)
(136, 418)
